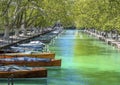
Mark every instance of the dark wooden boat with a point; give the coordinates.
(31, 62)
(6, 51)
(37, 55)
(33, 73)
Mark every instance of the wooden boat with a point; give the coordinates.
(30, 62)
(33, 73)
(37, 55)
(6, 51)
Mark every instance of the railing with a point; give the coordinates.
(10, 80)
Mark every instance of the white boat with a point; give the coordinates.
(33, 44)
(27, 49)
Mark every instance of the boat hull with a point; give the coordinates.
(34, 73)
(53, 62)
(37, 55)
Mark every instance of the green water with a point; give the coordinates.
(85, 61)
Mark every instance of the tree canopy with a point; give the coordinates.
(99, 14)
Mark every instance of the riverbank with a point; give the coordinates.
(14, 40)
(109, 41)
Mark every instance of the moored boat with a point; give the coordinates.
(18, 72)
(37, 55)
(27, 48)
(27, 61)
(6, 51)
(33, 43)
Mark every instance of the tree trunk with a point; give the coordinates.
(111, 34)
(34, 30)
(17, 32)
(24, 30)
(6, 33)
(41, 29)
(116, 35)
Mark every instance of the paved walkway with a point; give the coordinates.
(107, 40)
(14, 39)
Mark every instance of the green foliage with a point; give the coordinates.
(99, 14)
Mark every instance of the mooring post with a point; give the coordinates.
(10, 80)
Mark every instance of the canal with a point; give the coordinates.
(85, 61)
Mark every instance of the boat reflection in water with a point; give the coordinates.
(25, 81)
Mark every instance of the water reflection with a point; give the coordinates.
(25, 81)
